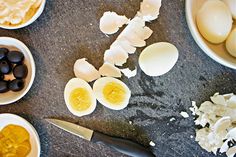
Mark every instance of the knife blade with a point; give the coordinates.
(121, 145)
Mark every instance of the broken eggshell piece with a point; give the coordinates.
(110, 22)
(124, 44)
(108, 69)
(231, 152)
(85, 70)
(149, 9)
(222, 124)
(116, 55)
(159, 58)
(129, 73)
(136, 32)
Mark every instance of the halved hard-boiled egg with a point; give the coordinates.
(79, 97)
(111, 93)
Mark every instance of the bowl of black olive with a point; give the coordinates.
(17, 70)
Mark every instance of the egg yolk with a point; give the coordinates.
(114, 93)
(14, 141)
(80, 99)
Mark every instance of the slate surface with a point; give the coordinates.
(68, 30)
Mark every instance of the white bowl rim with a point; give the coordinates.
(31, 60)
(36, 136)
(197, 37)
(30, 21)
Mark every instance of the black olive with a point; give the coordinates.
(5, 67)
(3, 53)
(20, 71)
(15, 57)
(3, 86)
(1, 76)
(16, 85)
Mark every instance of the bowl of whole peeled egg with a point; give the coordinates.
(19, 14)
(212, 24)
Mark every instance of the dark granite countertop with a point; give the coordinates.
(68, 30)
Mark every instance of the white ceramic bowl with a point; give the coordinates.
(14, 44)
(216, 52)
(33, 18)
(7, 119)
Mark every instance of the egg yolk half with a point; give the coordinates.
(80, 99)
(114, 93)
(14, 141)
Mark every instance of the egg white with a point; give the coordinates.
(79, 83)
(214, 21)
(98, 87)
(159, 58)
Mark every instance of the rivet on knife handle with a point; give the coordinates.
(124, 146)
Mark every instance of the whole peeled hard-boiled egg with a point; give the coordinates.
(112, 93)
(231, 43)
(79, 97)
(232, 6)
(214, 21)
(159, 58)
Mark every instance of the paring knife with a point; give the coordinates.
(121, 145)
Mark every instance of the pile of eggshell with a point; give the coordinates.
(155, 60)
(217, 121)
(215, 23)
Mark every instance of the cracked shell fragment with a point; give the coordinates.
(218, 99)
(110, 22)
(124, 44)
(116, 55)
(108, 69)
(129, 73)
(221, 125)
(231, 151)
(85, 70)
(149, 9)
(136, 32)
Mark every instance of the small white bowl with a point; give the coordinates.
(216, 52)
(30, 21)
(7, 119)
(14, 44)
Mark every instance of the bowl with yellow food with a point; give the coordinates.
(15, 15)
(18, 138)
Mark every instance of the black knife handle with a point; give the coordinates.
(121, 145)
